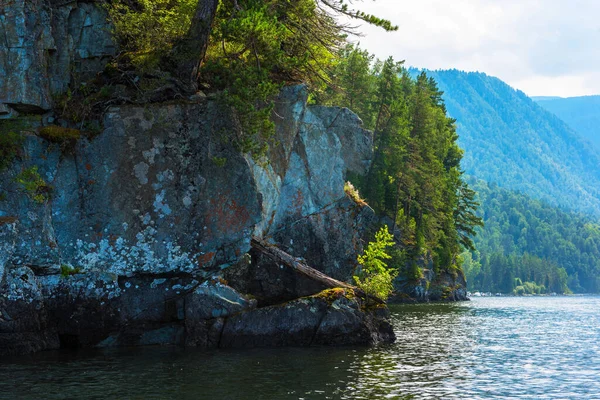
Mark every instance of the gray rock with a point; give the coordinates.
(270, 283)
(149, 218)
(347, 324)
(443, 286)
(44, 45)
(6, 112)
(291, 324)
(210, 301)
(24, 319)
(328, 318)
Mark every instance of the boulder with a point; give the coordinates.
(331, 317)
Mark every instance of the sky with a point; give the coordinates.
(542, 47)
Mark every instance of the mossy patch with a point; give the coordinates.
(331, 295)
(58, 134)
(67, 271)
(34, 185)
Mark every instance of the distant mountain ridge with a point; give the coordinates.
(581, 113)
(542, 98)
(512, 141)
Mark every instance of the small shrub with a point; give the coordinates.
(352, 192)
(34, 185)
(378, 285)
(376, 278)
(219, 161)
(67, 271)
(58, 134)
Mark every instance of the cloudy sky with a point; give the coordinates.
(543, 47)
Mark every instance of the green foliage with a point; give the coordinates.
(67, 271)
(219, 161)
(511, 141)
(406, 265)
(530, 240)
(375, 278)
(146, 29)
(415, 178)
(255, 47)
(529, 288)
(580, 113)
(34, 185)
(83, 105)
(10, 144)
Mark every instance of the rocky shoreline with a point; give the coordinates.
(139, 233)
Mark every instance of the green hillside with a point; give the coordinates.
(538, 182)
(529, 240)
(580, 113)
(511, 141)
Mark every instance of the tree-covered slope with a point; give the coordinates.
(581, 113)
(513, 142)
(530, 240)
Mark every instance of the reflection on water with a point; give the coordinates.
(487, 348)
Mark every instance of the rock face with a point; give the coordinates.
(443, 286)
(332, 317)
(46, 44)
(141, 223)
(141, 234)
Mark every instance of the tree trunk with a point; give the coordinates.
(286, 259)
(192, 49)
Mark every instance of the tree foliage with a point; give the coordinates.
(146, 29)
(375, 278)
(244, 49)
(511, 141)
(533, 241)
(415, 178)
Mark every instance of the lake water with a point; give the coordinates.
(525, 348)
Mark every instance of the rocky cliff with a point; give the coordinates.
(137, 227)
(140, 234)
(45, 46)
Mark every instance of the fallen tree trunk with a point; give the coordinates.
(280, 256)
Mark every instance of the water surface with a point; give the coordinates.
(525, 348)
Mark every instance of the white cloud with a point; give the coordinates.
(543, 47)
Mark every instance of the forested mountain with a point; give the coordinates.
(511, 141)
(581, 113)
(538, 184)
(526, 240)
